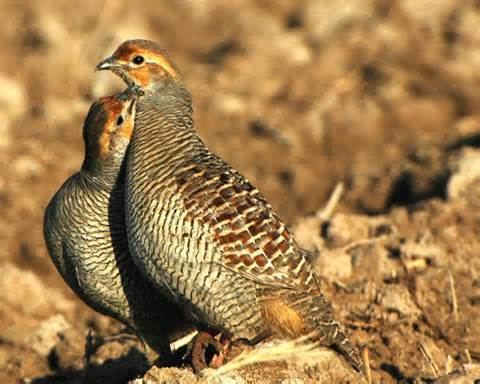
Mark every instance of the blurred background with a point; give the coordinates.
(296, 94)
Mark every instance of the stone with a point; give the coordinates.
(44, 338)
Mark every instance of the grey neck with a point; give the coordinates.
(105, 175)
(165, 116)
(173, 99)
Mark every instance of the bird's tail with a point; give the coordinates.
(298, 313)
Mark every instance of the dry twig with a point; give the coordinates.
(366, 363)
(357, 243)
(454, 296)
(449, 365)
(428, 357)
(326, 214)
(469, 357)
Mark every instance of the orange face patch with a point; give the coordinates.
(112, 105)
(127, 129)
(155, 65)
(114, 108)
(142, 75)
(104, 144)
(152, 54)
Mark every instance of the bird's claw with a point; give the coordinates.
(201, 349)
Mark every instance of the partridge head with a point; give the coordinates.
(142, 64)
(106, 133)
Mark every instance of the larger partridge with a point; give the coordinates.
(200, 231)
(85, 233)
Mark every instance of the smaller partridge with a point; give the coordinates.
(84, 230)
(200, 231)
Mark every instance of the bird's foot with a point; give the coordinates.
(206, 351)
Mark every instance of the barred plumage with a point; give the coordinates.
(85, 231)
(201, 232)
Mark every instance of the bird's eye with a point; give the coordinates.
(138, 60)
(120, 120)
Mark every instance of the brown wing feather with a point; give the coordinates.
(252, 238)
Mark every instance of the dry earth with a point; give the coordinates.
(382, 95)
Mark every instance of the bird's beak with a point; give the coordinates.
(118, 67)
(108, 63)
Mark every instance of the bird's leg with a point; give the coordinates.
(218, 359)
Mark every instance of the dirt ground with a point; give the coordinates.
(299, 95)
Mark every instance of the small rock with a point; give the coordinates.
(47, 335)
(12, 98)
(467, 127)
(69, 350)
(431, 17)
(23, 364)
(334, 265)
(224, 379)
(20, 288)
(231, 104)
(323, 18)
(292, 48)
(293, 381)
(466, 176)
(118, 349)
(166, 375)
(307, 233)
(397, 299)
(27, 166)
(468, 374)
(419, 255)
(345, 229)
